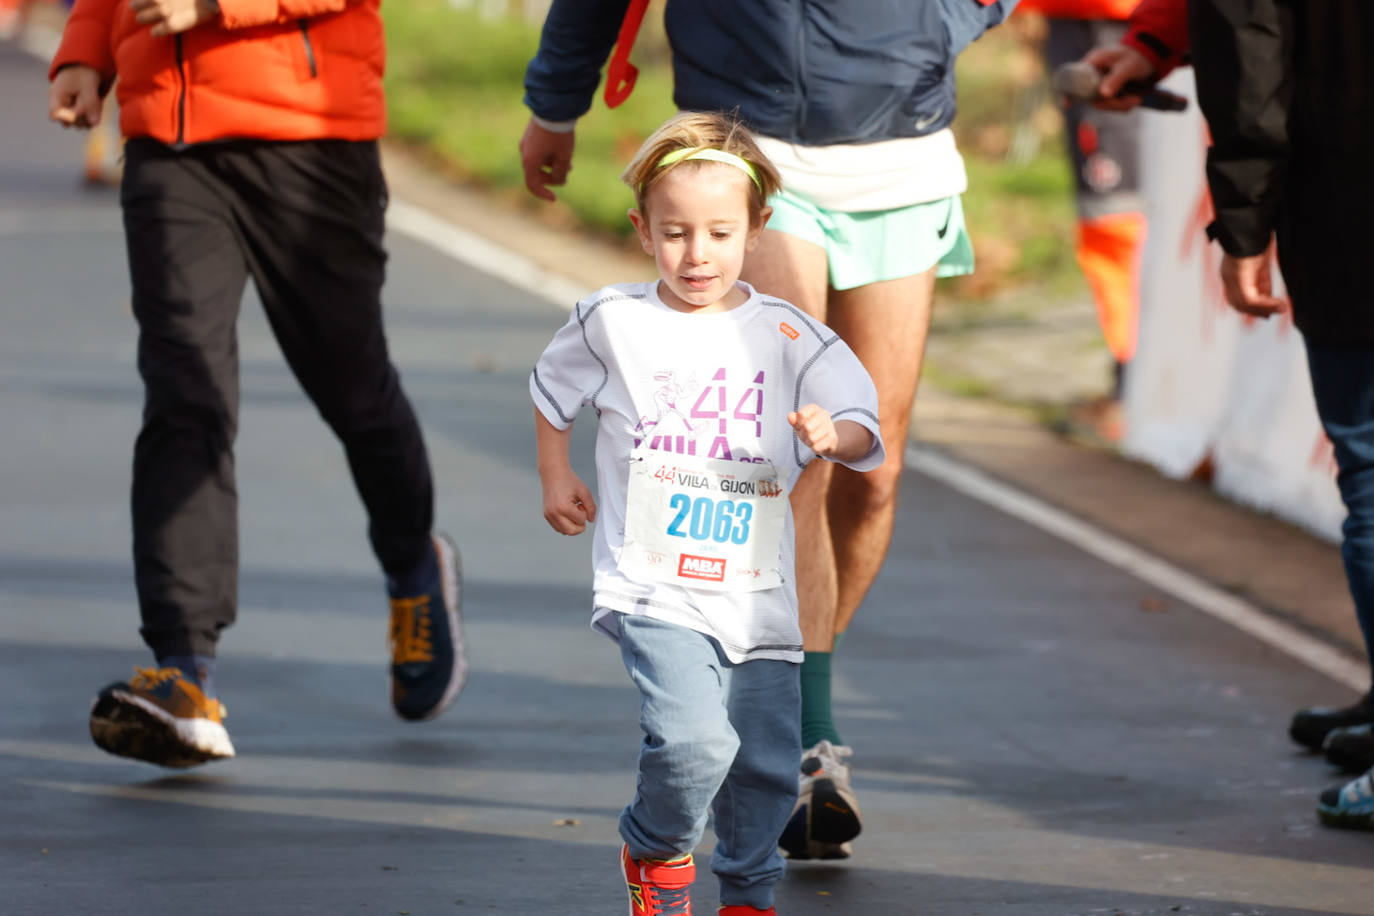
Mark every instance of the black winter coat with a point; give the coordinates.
(1288, 90)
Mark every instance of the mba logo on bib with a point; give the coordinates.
(711, 569)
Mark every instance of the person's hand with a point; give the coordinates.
(169, 17)
(74, 96)
(1248, 284)
(547, 159)
(568, 503)
(815, 429)
(1119, 65)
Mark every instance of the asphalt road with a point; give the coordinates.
(1035, 731)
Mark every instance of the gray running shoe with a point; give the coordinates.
(827, 815)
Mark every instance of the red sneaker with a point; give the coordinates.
(741, 910)
(659, 887)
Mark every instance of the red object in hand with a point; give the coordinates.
(620, 73)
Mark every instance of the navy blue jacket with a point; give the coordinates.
(813, 72)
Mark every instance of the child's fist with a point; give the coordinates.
(815, 429)
(568, 505)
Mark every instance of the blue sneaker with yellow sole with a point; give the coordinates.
(1350, 806)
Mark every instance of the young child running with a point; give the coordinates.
(710, 399)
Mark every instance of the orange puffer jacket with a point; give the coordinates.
(1080, 9)
(267, 69)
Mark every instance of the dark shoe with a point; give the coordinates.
(429, 658)
(160, 716)
(827, 815)
(1350, 806)
(1351, 749)
(1311, 726)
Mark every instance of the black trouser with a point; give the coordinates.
(305, 221)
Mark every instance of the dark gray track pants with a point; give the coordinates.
(305, 221)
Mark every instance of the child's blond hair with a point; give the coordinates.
(701, 130)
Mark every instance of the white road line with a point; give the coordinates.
(1144, 566)
(481, 254)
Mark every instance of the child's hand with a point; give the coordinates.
(568, 504)
(844, 440)
(815, 429)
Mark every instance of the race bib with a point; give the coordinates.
(703, 522)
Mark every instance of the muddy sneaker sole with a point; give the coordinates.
(127, 725)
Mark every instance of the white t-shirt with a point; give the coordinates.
(716, 385)
(861, 177)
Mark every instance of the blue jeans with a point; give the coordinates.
(719, 736)
(1343, 382)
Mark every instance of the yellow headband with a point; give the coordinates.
(714, 155)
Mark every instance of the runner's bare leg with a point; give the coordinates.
(796, 270)
(886, 325)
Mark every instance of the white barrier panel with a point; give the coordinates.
(1208, 384)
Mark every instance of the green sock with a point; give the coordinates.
(816, 721)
